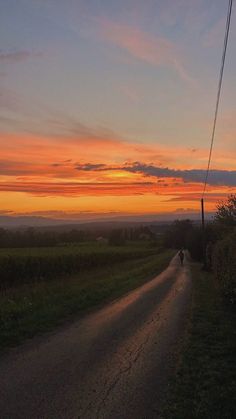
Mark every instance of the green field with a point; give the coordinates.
(20, 266)
(33, 305)
(84, 248)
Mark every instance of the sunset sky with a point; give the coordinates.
(106, 106)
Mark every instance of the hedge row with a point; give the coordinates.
(224, 265)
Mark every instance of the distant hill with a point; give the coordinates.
(103, 223)
(28, 221)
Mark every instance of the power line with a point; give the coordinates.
(218, 92)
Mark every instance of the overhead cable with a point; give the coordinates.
(218, 92)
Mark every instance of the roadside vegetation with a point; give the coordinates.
(205, 383)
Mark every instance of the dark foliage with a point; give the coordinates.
(226, 212)
(177, 234)
(224, 265)
(36, 238)
(117, 237)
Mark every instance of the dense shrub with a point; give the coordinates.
(224, 265)
(226, 212)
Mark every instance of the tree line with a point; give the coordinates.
(31, 237)
(34, 237)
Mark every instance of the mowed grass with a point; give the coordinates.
(38, 307)
(205, 384)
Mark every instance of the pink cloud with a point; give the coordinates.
(131, 93)
(214, 36)
(157, 51)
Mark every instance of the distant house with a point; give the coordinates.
(101, 240)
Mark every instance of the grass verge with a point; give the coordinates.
(205, 383)
(36, 308)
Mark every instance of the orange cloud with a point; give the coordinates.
(211, 197)
(36, 149)
(71, 189)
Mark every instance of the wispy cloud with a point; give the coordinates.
(195, 197)
(65, 215)
(75, 189)
(71, 179)
(96, 151)
(8, 57)
(157, 51)
(214, 36)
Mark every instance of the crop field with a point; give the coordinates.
(21, 266)
(31, 304)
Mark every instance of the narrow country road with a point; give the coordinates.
(111, 364)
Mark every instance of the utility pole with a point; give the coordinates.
(203, 234)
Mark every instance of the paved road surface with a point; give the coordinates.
(111, 364)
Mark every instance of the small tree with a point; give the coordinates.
(226, 212)
(224, 261)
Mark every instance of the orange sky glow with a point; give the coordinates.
(99, 174)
